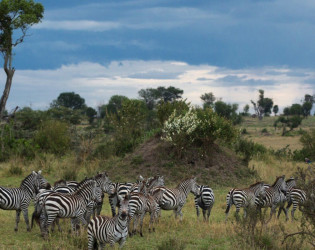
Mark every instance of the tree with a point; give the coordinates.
(69, 100)
(15, 15)
(208, 100)
(245, 110)
(228, 111)
(275, 109)
(296, 109)
(161, 94)
(291, 122)
(263, 105)
(114, 104)
(307, 105)
(90, 113)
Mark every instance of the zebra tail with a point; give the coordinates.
(36, 214)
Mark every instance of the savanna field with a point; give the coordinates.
(191, 233)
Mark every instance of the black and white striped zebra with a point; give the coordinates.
(290, 183)
(205, 201)
(275, 195)
(296, 198)
(175, 198)
(104, 230)
(72, 206)
(244, 197)
(19, 198)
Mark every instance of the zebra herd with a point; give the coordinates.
(80, 201)
(261, 195)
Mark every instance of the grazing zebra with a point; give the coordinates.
(121, 189)
(205, 201)
(175, 198)
(72, 206)
(102, 229)
(19, 198)
(297, 197)
(274, 195)
(244, 197)
(290, 183)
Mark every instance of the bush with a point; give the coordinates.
(166, 109)
(53, 137)
(197, 127)
(249, 149)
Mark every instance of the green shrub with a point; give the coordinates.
(15, 170)
(249, 149)
(53, 137)
(165, 109)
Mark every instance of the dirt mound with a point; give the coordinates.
(219, 166)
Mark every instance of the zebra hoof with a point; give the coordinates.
(28, 230)
(15, 229)
(141, 234)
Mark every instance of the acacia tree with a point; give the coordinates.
(263, 105)
(208, 99)
(19, 16)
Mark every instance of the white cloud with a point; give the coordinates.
(97, 83)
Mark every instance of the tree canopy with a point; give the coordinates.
(69, 100)
(263, 106)
(16, 15)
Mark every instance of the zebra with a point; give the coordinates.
(19, 198)
(142, 203)
(297, 197)
(205, 201)
(244, 197)
(290, 183)
(121, 189)
(274, 196)
(72, 206)
(175, 198)
(102, 229)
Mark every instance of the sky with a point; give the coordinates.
(100, 48)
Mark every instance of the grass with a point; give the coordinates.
(191, 233)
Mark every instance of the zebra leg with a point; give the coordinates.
(17, 220)
(209, 212)
(204, 211)
(238, 208)
(121, 242)
(151, 222)
(141, 223)
(92, 242)
(135, 224)
(293, 211)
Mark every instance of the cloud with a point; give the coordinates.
(97, 83)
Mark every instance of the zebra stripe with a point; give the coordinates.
(274, 196)
(19, 198)
(175, 198)
(244, 197)
(102, 230)
(290, 183)
(205, 201)
(297, 198)
(72, 206)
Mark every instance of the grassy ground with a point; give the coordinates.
(272, 138)
(170, 233)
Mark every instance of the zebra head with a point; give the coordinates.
(123, 211)
(194, 187)
(259, 190)
(291, 183)
(103, 181)
(280, 184)
(97, 193)
(156, 181)
(39, 181)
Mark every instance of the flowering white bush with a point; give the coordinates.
(180, 126)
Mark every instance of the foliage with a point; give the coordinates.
(228, 111)
(296, 109)
(90, 113)
(165, 109)
(308, 142)
(275, 109)
(29, 119)
(245, 110)
(53, 137)
(249, 149)
(153, 96)
(308, 104)
(69, 100)
(292, 122)
(114, 104)
(263, 105)
(128, 125)
(198, 127)
(208, 100)
(65, 114)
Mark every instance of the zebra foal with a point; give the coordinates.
(19, 198)
(102, 229)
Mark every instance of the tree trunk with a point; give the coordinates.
(9, 72)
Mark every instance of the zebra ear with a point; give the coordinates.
(39, 172)
(195, 178)
(120, 198)
(34, 173)
(141, 178)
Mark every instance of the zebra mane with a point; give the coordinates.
(187, 179)
(99, 175)
(257, 183)
(28, 178)
(291, 179)
(278, 177)
(84, 181)
(60, 182)
(84, 185)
